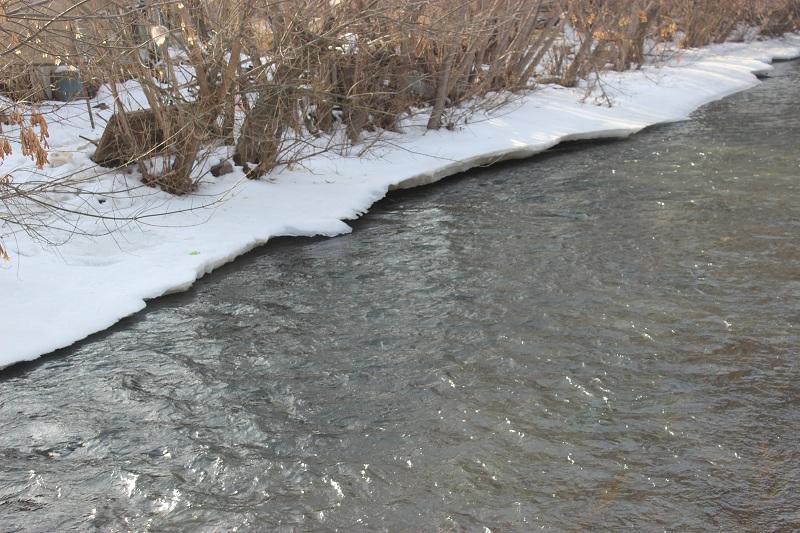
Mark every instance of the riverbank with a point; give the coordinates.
(108, 268)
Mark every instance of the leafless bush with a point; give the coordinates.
(279, 80)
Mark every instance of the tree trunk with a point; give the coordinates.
(435, 121)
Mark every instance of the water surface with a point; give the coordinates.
(604, 337)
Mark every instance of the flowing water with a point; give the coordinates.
(603, 337)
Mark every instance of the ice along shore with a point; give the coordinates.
(57, 295)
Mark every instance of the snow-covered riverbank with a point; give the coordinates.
(55, 296)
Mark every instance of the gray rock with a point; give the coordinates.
(222, 168)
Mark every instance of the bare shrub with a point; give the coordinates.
(279, 80)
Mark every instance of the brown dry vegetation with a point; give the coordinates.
(279, 80)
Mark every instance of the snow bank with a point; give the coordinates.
(55, 296)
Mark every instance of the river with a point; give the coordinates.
(602, 337)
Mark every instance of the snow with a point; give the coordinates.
(54, 296)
